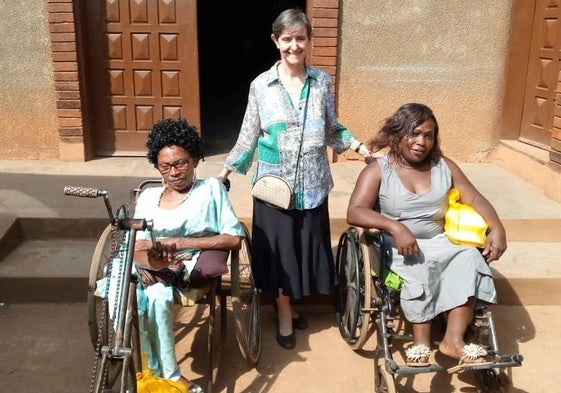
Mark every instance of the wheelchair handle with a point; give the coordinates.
(84, 192)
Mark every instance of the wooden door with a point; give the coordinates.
(542, 77)
(142, 66)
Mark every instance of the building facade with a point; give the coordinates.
(83, 78)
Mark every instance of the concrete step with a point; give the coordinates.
(47, 239)
(48, 268)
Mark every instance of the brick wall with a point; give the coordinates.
(324, 16)
(62, 30)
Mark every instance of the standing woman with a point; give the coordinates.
(290, 119)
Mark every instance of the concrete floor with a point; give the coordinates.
(46, 348)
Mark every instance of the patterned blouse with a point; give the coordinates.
(273, 124)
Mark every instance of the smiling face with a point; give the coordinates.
(177, 167)
(292, 44)
(416, 145)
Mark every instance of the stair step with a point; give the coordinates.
(56, 270)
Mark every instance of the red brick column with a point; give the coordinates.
(324, 16)
(62, 30)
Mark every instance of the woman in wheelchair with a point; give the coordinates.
(195, 227)
(405, 195)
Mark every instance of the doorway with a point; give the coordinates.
(234, 47)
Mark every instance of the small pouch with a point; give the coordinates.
(273, 190)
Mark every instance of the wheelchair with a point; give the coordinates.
(365, 303)
(114, 334)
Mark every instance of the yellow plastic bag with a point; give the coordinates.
(147, 383)
(462, 224)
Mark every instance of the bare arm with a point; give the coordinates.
(224, 173)
(360, 211)
(159, 257)
(496, 244)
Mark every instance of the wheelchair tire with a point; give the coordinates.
(100, 259)
(246, 303)
(108, 373)
(353, 289)
(216, 330)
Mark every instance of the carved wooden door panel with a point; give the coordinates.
(543, 68)
(142, 67)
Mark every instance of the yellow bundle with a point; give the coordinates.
(462, 224)
(147, 383)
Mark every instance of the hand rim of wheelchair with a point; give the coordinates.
(246, 302)
(353, 293)
(95, 303)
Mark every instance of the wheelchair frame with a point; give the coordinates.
(362, 297)
(115, 340)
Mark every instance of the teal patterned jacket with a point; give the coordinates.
(272, 125)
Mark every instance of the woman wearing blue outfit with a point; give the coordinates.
(290, 120)
(195, 226)
(405, 194)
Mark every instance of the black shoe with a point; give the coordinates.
(287, 342)
(299, 323)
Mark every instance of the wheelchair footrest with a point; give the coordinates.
(404, 369)
(502, 362)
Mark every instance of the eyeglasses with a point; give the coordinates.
(178, 165)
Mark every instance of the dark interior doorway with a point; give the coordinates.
(234, 47)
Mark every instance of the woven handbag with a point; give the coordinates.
(462, 224)
(273, 190)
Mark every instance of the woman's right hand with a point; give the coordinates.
(405, 242)
(160, 255)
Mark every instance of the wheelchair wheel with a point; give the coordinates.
(98, 309)
(353, 288)
(216, 330)
(108, 371)
(246, 303)
(384, 381)
(118, 373)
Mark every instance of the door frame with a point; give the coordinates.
(517, 65)
(69, 45)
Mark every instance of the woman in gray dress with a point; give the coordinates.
(409, 187)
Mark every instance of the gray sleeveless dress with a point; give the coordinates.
(446, 274)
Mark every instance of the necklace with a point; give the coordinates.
(187, 195)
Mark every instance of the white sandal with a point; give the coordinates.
(418, 355)
(472, 355)
(195, 388)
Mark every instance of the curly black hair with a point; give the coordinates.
(174, 132)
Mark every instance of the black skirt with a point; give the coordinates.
(291, 249)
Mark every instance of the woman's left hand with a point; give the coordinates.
(495, 246)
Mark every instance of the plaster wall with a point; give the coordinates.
(28, 124)
(447, 54)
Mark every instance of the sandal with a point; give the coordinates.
(472, 355)
(418, 355)
(195, 388)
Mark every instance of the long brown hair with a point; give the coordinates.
(401, 124)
